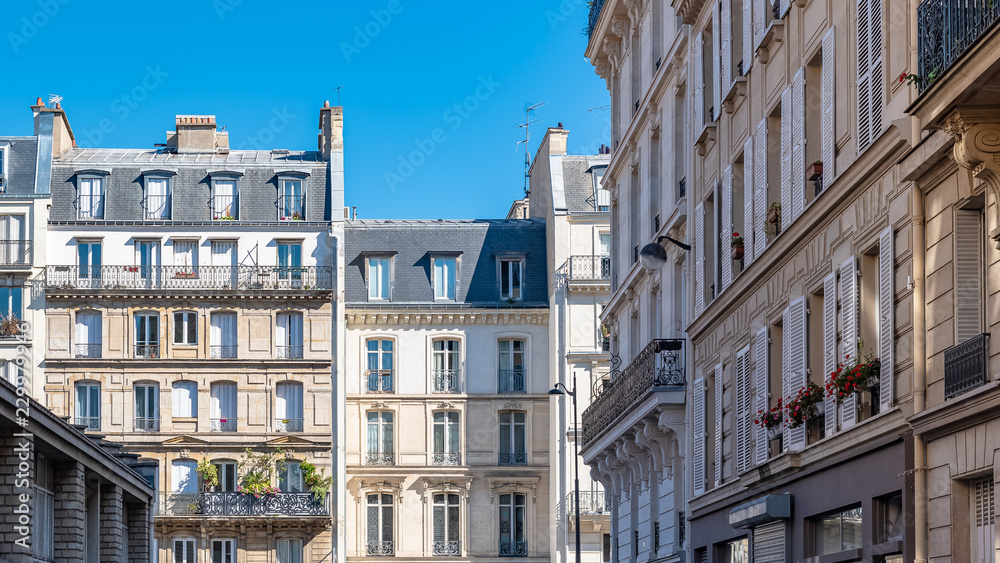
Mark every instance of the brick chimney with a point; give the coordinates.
(53, 122)
(331, 130)
(196, 134)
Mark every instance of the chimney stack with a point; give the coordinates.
(197, 134)
(331, 130)
(52, 122)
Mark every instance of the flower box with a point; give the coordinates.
(186, 275)
(804, 406)
(737, 251)
(774, 214)
(815, 171)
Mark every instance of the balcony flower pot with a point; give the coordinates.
(131, 268)
(855, 379)
(804, 406)
(10, 326)
(188, 275)
(737, 251)
(815, 171)
(774, 214)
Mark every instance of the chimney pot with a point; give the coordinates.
(58, 105)
(326, 104)
(560, 125)
(39, 102)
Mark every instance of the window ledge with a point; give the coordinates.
(849, 555)
(183, 419)
(775, 33)
(707, 135)
(736, 93)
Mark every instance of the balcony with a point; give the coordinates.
(512, 549)
(589, 268)
(379, 380)
(658, 367)
(219, 352)
(511, 380)
(90, 351)
(512, 458)
(148, 351)
(446, 549)
(239, 504)
(591, 503)
(15, 253)
(91, 422)
(288, 425)
(379, 458)
(947, 29)
(446, 458)
(289, 352)
(966, 366)
(223, 424)
(380, 548)
(446, 380)
(146, 424)
(237, 279)
(595, 14)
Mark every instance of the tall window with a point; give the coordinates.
(445, 276)
(184, 551)
(982, 522)
(88, 335)
(512, 513)
(9, 371)
(291, 206)
(737, 551)
(147, 257)
(289, 333)
(14, 247)
(43, 518)
(91, 202)
(602, 197)
(289, 407)
(446, 436)
(513, 438)
(185, 399)
(290, 477)
(186, 327)
(184, 476)
(185, 257)
(223, 551)
(380, 450)
(379, 278)
(380, 525)
(147, 335)
(157, 199)
(224, 406)
(3, 168)
(290, 261)
(605, 255)
(289, 551)
(222, 335)
(510, 279)
(10, 309)
(511, 365)
(446, 366)
(89, 255)
(446, 525)
(839, 532)
(225, 205)
(226, 472)
(147, 411)
(380, 365)
(88, 405)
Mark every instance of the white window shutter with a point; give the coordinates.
(760, 19)
(787, 215)
(726, 50)
(968, 274)
(886, 305)
(830, 348)
(726, 227)
(785, 6)
(714, 67)
(743, 417)
(875, 49)
(760, 394)
(786, 384)
(748, 202)
(698, 68)
(829, 102)
(798, 182)
(747, 36)
(699, 268)
(718, 384)
(849, 332)
(870, 86)
(698, 447)
(796, 369)
(760, 189)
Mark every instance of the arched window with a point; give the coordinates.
(88, 404)
(446, 367)
(185, 399)
(290, 477)
(226, 472)
(380, 365)
(147, 407)
(224, 408)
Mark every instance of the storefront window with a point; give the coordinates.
(737, 551)
(838, 532)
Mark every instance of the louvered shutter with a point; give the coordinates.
(968, 274)
(748, 201)
(743, 418)
(870, 87)
(829, 138)
(714, 67)
(798, 143)
(698, 447)
(698, 68)
(769, 543)
(785, 6)
(875, 49)
(760, 20)
(718, 384)
(787, 215)
(699, 267)
(786, 346)
(795, 370)
(849, 332)
(747, 36)
(760, 394)
(726, 50)
(830, 348)
(760, 189)
(726, 227)
(886, 305)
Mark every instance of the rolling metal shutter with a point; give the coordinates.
(769, 543)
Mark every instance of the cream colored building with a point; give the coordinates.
(447, 418)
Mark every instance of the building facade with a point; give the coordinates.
(188, 304)
(447, 417)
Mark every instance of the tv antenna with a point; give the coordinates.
(54, 99)
(592, 110)
(337, 89)
(528, 122)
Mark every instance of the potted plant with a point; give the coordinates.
(856, 379)
(10, 325)
(296, 216)
(804, 406)
(774, 213)
(257, 473)
(208, 473)
(316, 480)
(771, 419)
(737, 244)
(815, 171)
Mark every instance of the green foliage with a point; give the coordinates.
(208, 472)
(315, 479)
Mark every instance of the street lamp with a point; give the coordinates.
(560, 389)
(652, 257)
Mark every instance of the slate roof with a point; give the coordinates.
(22, 161)
(578, 181)
(155, 156)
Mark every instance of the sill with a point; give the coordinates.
(183, 419)
(849, 555)
(775, 33)
(737, 92)
(707, 135)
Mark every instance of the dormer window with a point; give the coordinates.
(90, 203)
(602, 197)
(291, 200)
(225, 200)
(510, 273)
(3, 168)
(445, 277)
(157, 200)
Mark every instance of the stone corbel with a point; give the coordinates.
(659, 444)
(634, 8)
(616, 470)
(619, 27)
(628, 454)
(603, 69)
(735, 95)
(977, 147)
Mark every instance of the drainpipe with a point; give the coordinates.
(919, 377)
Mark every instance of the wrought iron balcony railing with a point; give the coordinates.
(446, 548)
(946, 30)
(590, 503)
(167, 278)
(512, 458)
(225, 207)
(91, 422)
(511, 380)
(590, 267)
(513, 549)
(446, 380)
(217, 351)
(146, 424)
(15, 252)
(224, 424)
(659, 366)
(87, 350)
(288, 425)
(147, 351)
(966, 366)
(379, 380)
(446, 458)
(380, 548)
(289, 352)
(380, 458)
(239, 504)
(595, 13)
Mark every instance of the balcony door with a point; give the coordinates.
(512, 512)
(290, 478)
(88, 405)
(224, 406)
(147, 258)
(14, 247)
(147, 415)
(223, 335)
(88, 335)
(380, 509)
(289, 407)
(289, 334)
(224, 271)
(89, 256)
(226, 471)
(223, 551)
(184, 476)
(147, 335)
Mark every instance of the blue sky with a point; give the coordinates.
(432, 91)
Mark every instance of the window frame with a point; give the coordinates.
(186, 327)
(14, 305)
(85, 269)
(91, 177)
(380, 456)
(601, 194)
(220, 349)
(4, 159)
(294, 485)
(178, 386)
(284, 423)
(453, 272)
(450, 428)
(381, 505)
(222, 468)
(227, 178)
(446, 379)
(505, 259)
(147, 179)
(194, 243)
(512, 504)
(509, 447)
(509, 368)
(150, 422)
(283, 195)
(188, 556)
(293, 349)
(451, 530)
(292, 543)
(379, 379)
(151, 347)
(90, 414)
(816, 529)
(371, 277)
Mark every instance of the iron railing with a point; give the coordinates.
(147, 351)
(380, 548)
(379, 380)
(87, 350)
(146, 424)
(91, 422)
(218, 351)
(589, 267)
(512, 549)
(158, 207)
(224, 424)
(595, 14)
(591, 503)
(966, 366)
(446, 380)
(225, 208)
(163, 278)
(511, 380)
(446, 548)
(240, 504)
(659, 365)
(288, 425)
(289, 352)
(512, 458)
(380, 458)
(292, 208)
(446, 458)
(15, 252)
(946, 30)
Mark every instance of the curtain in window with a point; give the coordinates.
(224, 401)
(91, 198)
(291, 200)
(186, 255)
(289, 551)
(444, 278)
(184, 476)
(289, 401)
(185, 399)
(289, 331)
(157, 198)
(227, 476)
(446, 518)
(379, 432)
(378, 273)
(13, 249)
(147, 330)
(88, 401)
(88, 329)
(222, 335)
(290, 477)
(446, 431)
(145, 401)
(224, 203)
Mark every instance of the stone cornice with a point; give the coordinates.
(958, 413)
(430, 317)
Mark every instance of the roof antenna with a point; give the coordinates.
(528, 122)
(337, 89)
(54, 99)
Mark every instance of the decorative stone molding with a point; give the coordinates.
(380, 405)
(603, 69)
(388, 484)
(619, 27)
(452, 485)
(512, 405)
(366, 318)
(503, 485)
(977, 147)
(688, 10)
(612, 48)
(446, 405)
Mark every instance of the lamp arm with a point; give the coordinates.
(675, 241)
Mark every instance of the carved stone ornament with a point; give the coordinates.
(977, 147)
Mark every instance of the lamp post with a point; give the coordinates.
(560, 389)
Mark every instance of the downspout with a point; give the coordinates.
(919, 378)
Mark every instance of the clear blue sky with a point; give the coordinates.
(265, 68)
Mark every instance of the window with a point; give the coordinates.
(289, 334)
(444, 278)
(511, 365)
(185, 399)
(289, 551)
(10, 309)
(223, 551)
(147, 257)
(982, 520)
(771, 163)
(147, 412)
(446, 525)
(446, 370)
(290, 477)
(736, 551)
(88, 335)
(513, 438)
(838, 532)
(380, 365)
(891, 522)
(510, 279)
(184, 551)
(602, 197)
(185, 257)
(226, 472)
(147, 335)
(186, 328)
(43, 518)
(13, 244)
(3, 168)
(291, 204)
(222, 335)
(380, 450)
(289, 407)
(446, 436)
(91, 200)
(89, 255)
(88, 405)
(379, 278)
(157, 199)
(380, 525)
(969, 274)
(290, 261)
(9, 371)
(225, 202)
(185, 476)
(224, 406)
(512, 513)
